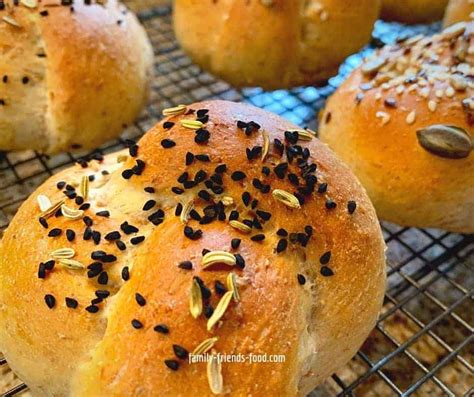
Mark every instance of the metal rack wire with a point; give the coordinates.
(423, 342)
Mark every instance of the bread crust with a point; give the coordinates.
(458, 11)
(413, 11)
(315, 37)
(318, 326)
(407, 184)
(90, 80)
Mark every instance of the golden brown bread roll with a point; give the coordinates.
(384, 121)
(309, 271)
(143, 5)
(413, 11)
(273, 43)
(71, 75)
(458, 11)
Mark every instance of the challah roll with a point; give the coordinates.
(458, 11)
(72, 74)
(404, 122)
(413, 11)
(273, 43)
(225, 230)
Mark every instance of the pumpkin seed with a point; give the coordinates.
(227, 200)
(192, 124)
(71, 213)
(174, 111)
(52, 210)
(286, 198)
(84, 190)
(63, 253)
(29, 3)
(266, 144)
(240, 226)
(304, 135)
(71, 264)
(8, 19)
(232, 286)
(445, 141)
(186, 210)
(220, 310)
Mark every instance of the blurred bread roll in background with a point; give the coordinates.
(71, 74)
(143, 5)
(273, 43)
(458, 11)
(413, 11)
(404, 122)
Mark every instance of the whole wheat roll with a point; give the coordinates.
(458, 11)
(273, 43)
(413, 11)
(310, 271)
(72, 75)
(385, 121)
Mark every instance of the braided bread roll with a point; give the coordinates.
(404, 121)
(202, 231)
(72, 75)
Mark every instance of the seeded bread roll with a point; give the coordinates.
(273, 43)
(413, 11)
(458, 11)
(71, 75)
(204, 231)
(404, 124)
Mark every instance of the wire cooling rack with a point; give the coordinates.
(423, 342)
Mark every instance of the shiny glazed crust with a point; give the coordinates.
(313, 307)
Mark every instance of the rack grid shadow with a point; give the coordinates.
(423, 342)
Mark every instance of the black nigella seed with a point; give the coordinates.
(79, 200)
(60, 185)
(264, 215)
(330, 205)
(202, 112)
(168, 143)
(246, 198)
(208, 311)
(220, 288)
(241, 124)
(351, 206)
(172, 364)
(200, 176)
(25, 80)
(220, 169)
(127, 174)
(96, 301)
(112, 236)
(282, 232)
(103, 278)
(293, 178)
(323, 187)
(161, 328)
(202, 136)
(167, 125)
(149, 205)
(258, 237)
(177, 190)
(301, 279)
(178, 209)
(50, 300)
(325, 258)
(189, 158)
(88, 221)
(101, 293)
(149, 189)
(70, 234)
(234, 215)
(133, 150)
(180, 352)
(125, 273)
(49, 265)
(308, 229)
(235, 243)
(87, 233)
(137, 240)
(55, 232)
(203, 157)
(85, 206)
(280, 170)
(326, 271)
(43, 222)
(265, 170)
(92, 309)
(120, 245)
(71, 303)
(41, 271)
(183, 177)
(186, 265)
(240, 261)
(282, 244)
(238, 176)
(136, 324)
(140, 299)
(128, 229)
